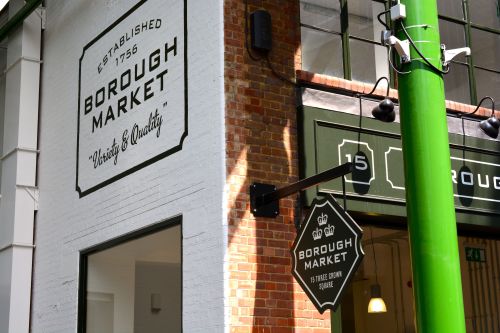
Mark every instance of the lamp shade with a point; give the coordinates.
(490, 126)
(376, 304)
(384, 111)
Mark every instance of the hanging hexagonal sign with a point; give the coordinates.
(326, 253)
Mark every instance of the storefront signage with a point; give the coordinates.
(132, 98)
(326, 253)
(473, 180)
(333, 138)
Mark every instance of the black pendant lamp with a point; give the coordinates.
(376, 303)
(491, 125)
(384, 111)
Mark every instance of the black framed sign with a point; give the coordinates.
(326, 253)
(132, 98)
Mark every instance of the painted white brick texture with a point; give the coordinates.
(190, 182)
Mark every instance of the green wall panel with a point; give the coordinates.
(330, 138)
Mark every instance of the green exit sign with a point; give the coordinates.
(475, 254)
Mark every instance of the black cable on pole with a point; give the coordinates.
(392, 65)
(379, 18)
(420, 53)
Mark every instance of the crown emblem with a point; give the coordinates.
(329, 230)
(317, 234)
(322, 219)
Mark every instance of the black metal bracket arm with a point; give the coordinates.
(264, 198)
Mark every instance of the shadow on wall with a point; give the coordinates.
(261, 146)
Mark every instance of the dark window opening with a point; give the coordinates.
(133, 283)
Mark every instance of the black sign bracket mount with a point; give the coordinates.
(264, 198)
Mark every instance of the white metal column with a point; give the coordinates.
(18, 163)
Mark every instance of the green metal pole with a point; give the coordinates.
(429, 193)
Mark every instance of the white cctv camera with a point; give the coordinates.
(402, 47)
(448, 55)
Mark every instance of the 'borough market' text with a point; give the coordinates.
(326, 254)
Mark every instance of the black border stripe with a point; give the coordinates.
(114, 24)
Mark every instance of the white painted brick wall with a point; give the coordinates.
(189, 182)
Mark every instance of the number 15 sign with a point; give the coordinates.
(361, 155)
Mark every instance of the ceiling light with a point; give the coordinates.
(376, 304)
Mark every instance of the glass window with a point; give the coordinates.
(348, 45)
(485, 47)
(323, 14)
(456, 84)
(323, 39)
(368, 61)
(135, 285)
(321, 52)
(387, 263)
(488, 83)
(485, 13)
(453, 36)
(451, 8)
(363, 19)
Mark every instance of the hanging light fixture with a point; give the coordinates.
(376, 304)
(491, 125)
(384, 111)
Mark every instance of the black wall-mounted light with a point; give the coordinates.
(491, 125)
(384, 111)
(261, 30)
